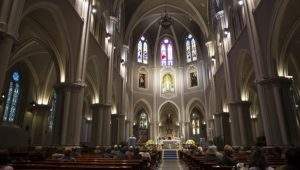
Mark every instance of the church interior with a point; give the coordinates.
(149, 84)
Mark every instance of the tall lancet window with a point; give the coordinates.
(51, 115)
(12, 97)
(166, 52)
(142, 52)
(190, 48)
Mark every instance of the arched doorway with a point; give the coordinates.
(141, 126)
(169, 123)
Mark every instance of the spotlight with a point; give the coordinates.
(226, 32)
(3, 96)
(241, 2)
(108, 36)
(94, 10)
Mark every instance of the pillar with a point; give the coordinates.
(223, 127)
(68, 120)
(10, 16)
(242, 121)
(39, 124)
(127, 131)
(6, 44)
(106, 125)
(278, 113)
(114, 129)
(187, 130)
(121, 128)
(97, 120)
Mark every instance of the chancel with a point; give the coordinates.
(149, 84)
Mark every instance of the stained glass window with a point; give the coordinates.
(166, 52)
(52, 112)
(12, 99)
(142, 51)
(190, 48)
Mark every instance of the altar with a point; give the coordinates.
(170, 144)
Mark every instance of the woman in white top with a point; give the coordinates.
(258, 161)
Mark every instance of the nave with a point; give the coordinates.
(123, 84)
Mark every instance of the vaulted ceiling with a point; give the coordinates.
(142, 16)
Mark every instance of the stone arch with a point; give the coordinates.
(192, 103)
(173, 104)
(61, 26)
(143, 103)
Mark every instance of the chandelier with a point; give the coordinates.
(166, 21)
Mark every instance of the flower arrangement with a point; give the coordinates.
(190, 142)
(150, 144)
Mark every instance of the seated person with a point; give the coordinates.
(227, 159)
(67, 156)
(4, 160)
(198, 151)
(292, 157)
(58, 154)
(212, 155)
(258, 161)
(129, 154)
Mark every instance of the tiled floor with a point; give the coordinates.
(175, 164)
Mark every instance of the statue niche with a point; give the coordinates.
(168, 84)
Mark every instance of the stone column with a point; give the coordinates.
(39, 124)
(235, 125)
(69, 115)
(121, 128)
(106, 125)
(278, 113)
(244, 121)
(114, 129)
(224, 127)
(127, 131)
(187, 129)
(6, 43)
(218, 126)
(97, 120)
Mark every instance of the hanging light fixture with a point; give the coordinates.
(166, 20)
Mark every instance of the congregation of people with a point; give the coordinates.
(105, 157)
(252, 158)
(141, 157)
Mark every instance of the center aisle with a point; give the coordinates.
(171, 161)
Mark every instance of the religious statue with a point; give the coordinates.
(168, 84)
(193, 77)
(142, 80)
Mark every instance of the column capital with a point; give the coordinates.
(71, 86)
(4, 35)
(274, 80)
(219, 14)
(239, 103)
(114, 19)
(40, 107)
(222, 114)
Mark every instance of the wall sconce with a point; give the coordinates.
(226, 32)
(241, 2)
(108, 36)
(94, 10)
